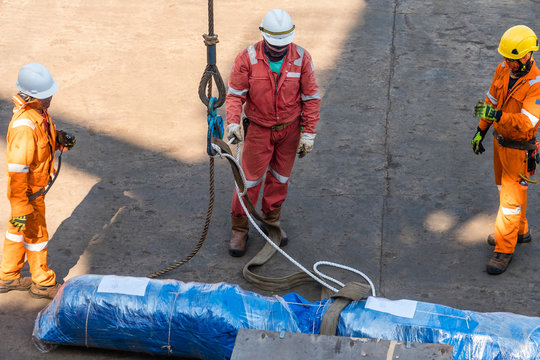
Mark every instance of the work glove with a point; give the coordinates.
(65, 139)
(487, 112)
(305, 145)
(19, 222)
(234, 131)
(477, 146)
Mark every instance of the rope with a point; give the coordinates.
(204, 232)
(215, 124)
(272, 241)
(211, 71)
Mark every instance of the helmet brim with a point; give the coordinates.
(40, 95)
(282, 41)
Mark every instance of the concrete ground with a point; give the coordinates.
(391, 188)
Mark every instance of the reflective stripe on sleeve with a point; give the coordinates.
(282, 179)
(534, 119)
(18, 168)
(250, 184)
(293, 74)
(252, 54)
(491, 98)
(300, 50)
(508, 211)
(499, 187)
(534, 81)
(310, 97)
(23, 122)
(14, 237)
(237, 92)
(36, 247)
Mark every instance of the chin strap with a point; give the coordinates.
(524, 69)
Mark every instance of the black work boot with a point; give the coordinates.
(17, 284)
(498, 263)
(273, 218)
(239, 238)
(524, 238)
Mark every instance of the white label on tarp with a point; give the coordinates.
(403, 308)
(123, 285)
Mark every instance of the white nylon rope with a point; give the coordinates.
(252, 221)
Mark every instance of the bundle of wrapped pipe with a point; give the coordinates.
(201, 320)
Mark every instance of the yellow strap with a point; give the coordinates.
(277, 33)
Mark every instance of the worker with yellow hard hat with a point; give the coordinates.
(512, 107)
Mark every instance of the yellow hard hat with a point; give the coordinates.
(517, 42)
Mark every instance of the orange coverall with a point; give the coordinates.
(290, 97)
(519, 121)
(30, 163)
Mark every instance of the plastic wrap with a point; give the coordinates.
(201, 320)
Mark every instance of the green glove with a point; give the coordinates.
(477, 146)
(19, 222)
(487, 112)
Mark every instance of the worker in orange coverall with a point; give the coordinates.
(274, 82)
(31, 142)
(512, 106)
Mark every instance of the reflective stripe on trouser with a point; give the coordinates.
(32, 243)
(270, 154)
(511, 217)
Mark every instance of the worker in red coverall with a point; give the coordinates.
(512, 107)
(275, 80)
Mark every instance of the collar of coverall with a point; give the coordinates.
(26, 101)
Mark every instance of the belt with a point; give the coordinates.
(283, 126)
(514, 144)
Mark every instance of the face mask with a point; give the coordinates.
(275, 53)
(522, 69)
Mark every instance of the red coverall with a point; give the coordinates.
(290, 100)
(30, 162)
(519, 121)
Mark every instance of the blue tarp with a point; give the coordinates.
(201, 320)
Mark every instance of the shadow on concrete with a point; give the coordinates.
(391, 188)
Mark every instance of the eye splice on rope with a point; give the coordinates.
(211, 71)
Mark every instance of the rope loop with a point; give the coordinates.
(210, 72)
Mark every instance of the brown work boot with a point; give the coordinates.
(273, 218)
(17, 284)
(498, 263)
(524, 238)
(239, 238)
(47, 292)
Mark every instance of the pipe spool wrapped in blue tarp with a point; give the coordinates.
(201, 320)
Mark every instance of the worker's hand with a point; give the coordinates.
(234, 131)
(306, 144)
(477, 146)
(65, 139)
(19, 222)
(487, 112)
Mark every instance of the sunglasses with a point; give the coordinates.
(511, 60)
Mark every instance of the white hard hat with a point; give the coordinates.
(35, 80)
(277, 27)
